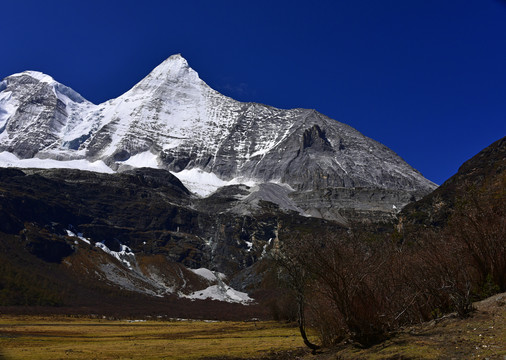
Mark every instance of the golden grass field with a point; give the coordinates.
(29, 337)
(481, 336)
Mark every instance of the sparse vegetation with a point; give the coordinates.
(362, 287)
(23, 285)
(480, 336)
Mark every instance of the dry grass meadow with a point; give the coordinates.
(480, 336)
(29, 337)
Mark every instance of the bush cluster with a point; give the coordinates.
(362, 286)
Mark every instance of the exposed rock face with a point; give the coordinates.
(172, 120)
(148, 210)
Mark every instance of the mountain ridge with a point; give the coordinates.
(171, 119)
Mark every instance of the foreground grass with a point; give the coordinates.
(481, 336)
(24, 337)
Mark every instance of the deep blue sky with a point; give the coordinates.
(427, 78)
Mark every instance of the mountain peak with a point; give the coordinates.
(37, 75)
(177, 57)
(175, 68)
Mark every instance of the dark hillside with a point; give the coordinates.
(43, 262)
(481, 176)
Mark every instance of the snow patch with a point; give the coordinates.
(200, 182)
(174, 143)
(8, 107)
(221, 292)
(264, 249)
(8, 159)
(205, 183)
(79, 236)
(144, 159)
(125, 255)
(249, 245)
(205, 273)
(208, 274)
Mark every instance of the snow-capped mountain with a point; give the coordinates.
(173, 120)
(38, 114)
(139, 229)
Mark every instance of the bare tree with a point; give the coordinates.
(288, 258)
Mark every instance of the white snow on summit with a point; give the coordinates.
(37, 75)
(173, 120)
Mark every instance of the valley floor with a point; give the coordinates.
(481, 336)
(36, 337)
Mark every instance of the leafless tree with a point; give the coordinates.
(288, 259)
